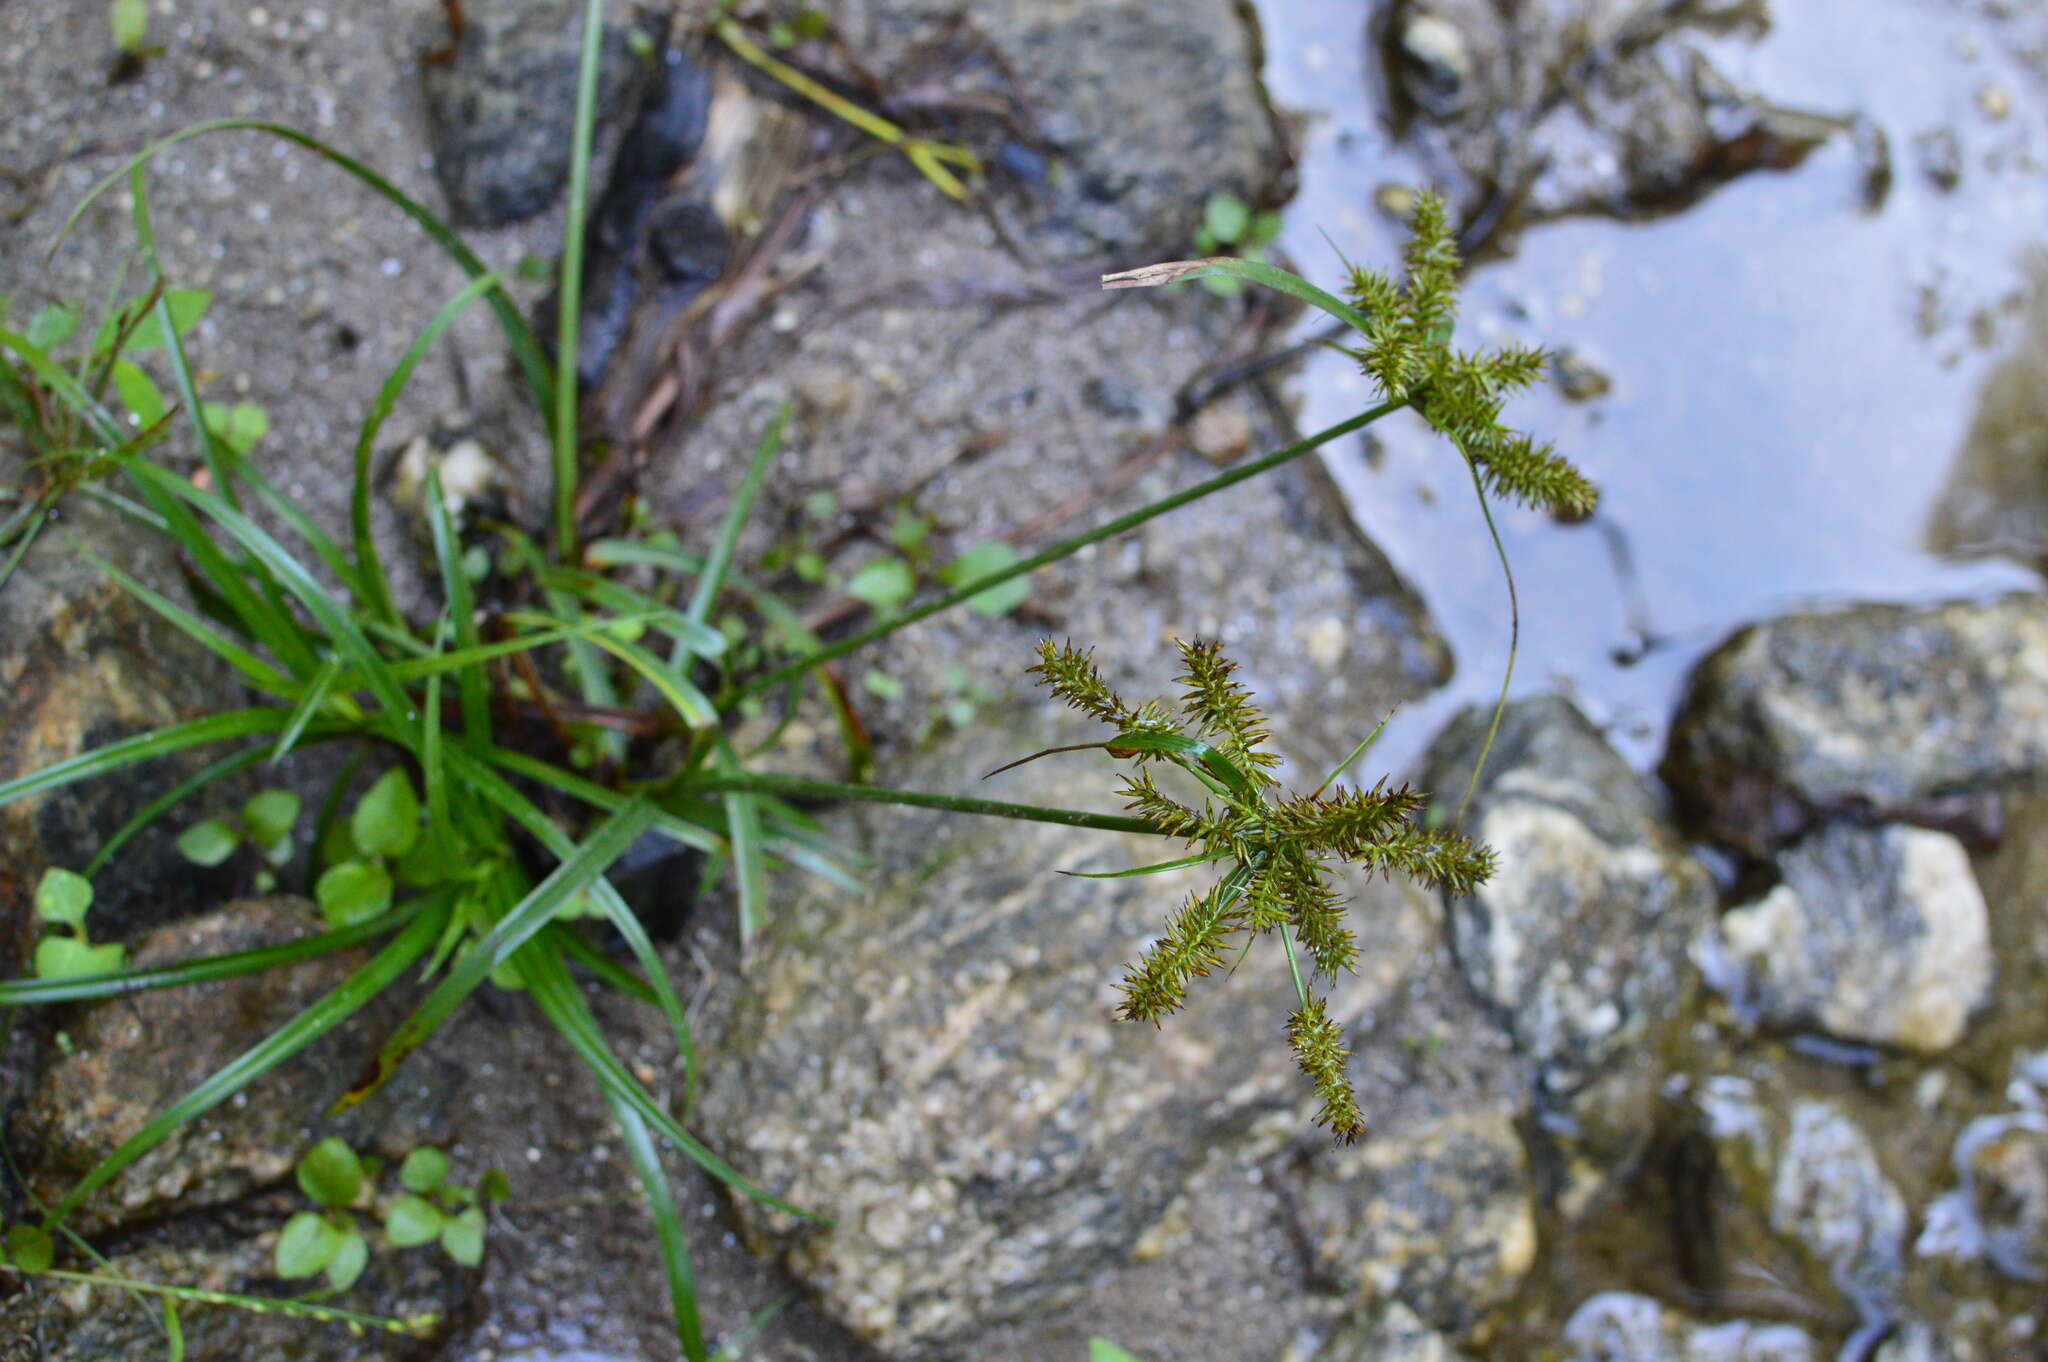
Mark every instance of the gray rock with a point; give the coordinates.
(1618, 1326)
(1875, 934)
(1438, 1216)
(1396, 1334)
(1829, 1194)
(131, 1057)
(1876, 709)
(1580, 937)
(933, 1063)
(1794, 1172)
(501, 108)
(1148, 110)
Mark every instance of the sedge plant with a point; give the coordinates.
(455, 842)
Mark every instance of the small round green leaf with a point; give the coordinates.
(330, 1173)
(462, 1238)
(128, 23)
(981, 561)
(387, 820)
(412, 1220)
(352, 892)
(63, 896)
(30, 1249)
(307, 1245)
(884, 584)
(494, 1186)
(348, 1261)
(208, 842)
(1226, 217)
(52, 326)
(424, 1169)
(138, 392)
(67, 957)
(269, 816)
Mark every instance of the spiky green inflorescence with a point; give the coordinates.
(1278, 846)
(1319, 1047)
(1407, 354)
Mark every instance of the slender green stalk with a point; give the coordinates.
(1507, 676)
(418, 1326)
(709, 585)
(369, 567)
(1356, 753)
(1065, 547)
(570, 296)
(77, 988)
(800, 787)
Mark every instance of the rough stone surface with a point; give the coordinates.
(2001, 1163)
(65, 1322)
(1438, 1216)
(1146, 111)
(501, 106)
(1573, 106)
(1580, 937)
(132, 1057)
(1917, 1341)
(1810, 1173)
(1829, 1193)
(1879, 709)
(1876, 935)
(1618, 1326)
(84, 664)
(1395, 1334)
(933, 1064)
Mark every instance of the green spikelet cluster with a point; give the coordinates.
(1408, 356)
(1277, 845)
(1319, 1048)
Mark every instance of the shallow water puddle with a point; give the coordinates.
(1793, 376)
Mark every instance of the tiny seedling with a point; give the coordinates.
(1102, 1350)
(128, 25)
(327, 1240)
(62, 900)
(428, 1209)
(1230, 227)
(266, 823)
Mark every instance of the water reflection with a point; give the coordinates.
(1789, 372)
(1995, 502)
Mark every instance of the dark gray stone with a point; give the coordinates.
(1878, 709)
(501, 110)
